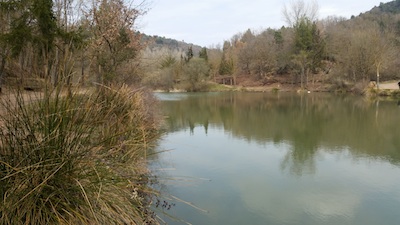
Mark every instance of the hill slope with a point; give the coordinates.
(172, 44)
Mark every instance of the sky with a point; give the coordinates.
(210, 22)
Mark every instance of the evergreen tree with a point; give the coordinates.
(203, 54)
(278, 37)
(303, 36)
(318, 50)
(226, 66)
(17, 31)
(30, 25)
(309, 47)
(42, 11)
(189, 54)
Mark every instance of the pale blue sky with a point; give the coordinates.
(210, 22)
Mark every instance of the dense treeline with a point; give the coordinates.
(334, 50)
(75, 42)
(69, 41)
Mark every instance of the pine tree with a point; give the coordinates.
(31, 23)
(309, 47)
(189, 54)
(203, 54)
(226, 66)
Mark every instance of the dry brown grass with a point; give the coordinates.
(76, 159)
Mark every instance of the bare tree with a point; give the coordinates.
(263, 60)
(299, 10)
(362, 49)
(308, 42)
(301, 60)
(214, 59)
(67, 13)
(382, 51)
(114, 40)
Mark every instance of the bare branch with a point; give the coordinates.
(299, 10)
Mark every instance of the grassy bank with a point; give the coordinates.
(382, 93)
(76, 159)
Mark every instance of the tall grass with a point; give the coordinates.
(76, 159)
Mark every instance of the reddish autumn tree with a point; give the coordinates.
(114, 40)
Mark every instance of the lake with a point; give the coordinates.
(283, 158)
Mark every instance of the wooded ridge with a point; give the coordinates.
(71, 42)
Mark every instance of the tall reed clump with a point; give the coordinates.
(76, 159)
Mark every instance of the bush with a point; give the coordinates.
(362, 86)
(196, 73)
(339, 85)
(76, 160)
(163, 79)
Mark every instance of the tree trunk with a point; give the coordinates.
(301, 78)
(55, 71)
(46, 65)
(99, 75)
(82, 68)
(66, 72)
(2, 66)
(307, 72)
(377, 76)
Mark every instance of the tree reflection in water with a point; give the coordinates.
(307, 122)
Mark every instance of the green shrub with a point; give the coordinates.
(195, 76)
(76, 160)
(275, 90)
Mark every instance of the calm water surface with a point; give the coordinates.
(257, 158)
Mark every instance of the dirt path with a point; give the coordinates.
(391, 85)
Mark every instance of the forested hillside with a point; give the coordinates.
(311, 53)
(390, 7)
(75, 42)
(157, 42)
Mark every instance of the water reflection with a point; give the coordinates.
(284, 159)
(307, 122)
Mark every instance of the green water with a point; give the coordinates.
(258, 158)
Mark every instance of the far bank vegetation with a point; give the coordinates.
(80, 43)
(328, 54)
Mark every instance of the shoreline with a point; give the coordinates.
(387, 89)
